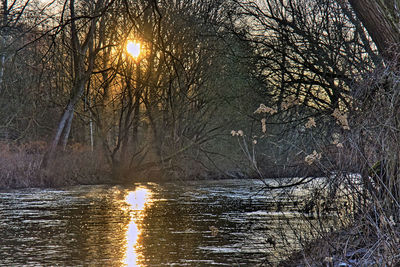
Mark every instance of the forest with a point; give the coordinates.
(215, 89)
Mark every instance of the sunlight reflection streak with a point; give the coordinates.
(138, 200)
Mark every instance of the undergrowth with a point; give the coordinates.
(20, 166)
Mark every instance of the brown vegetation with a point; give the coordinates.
(372, 236)
(73, 81)
(330, 102)
(331, 72)
(20, 167)
(373, 240)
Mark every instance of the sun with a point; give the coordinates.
(133, 49)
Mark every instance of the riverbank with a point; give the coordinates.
(20, 168)
(370, 241)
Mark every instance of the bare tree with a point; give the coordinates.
(157, 111)
(84, 51)
(308, 55)
(11, 19)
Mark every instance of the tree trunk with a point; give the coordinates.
(381, 19)
(63, 127)
(67, 130)
(3, 37)
(82, 51)
(2, 61)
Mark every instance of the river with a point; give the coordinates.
(203, 223)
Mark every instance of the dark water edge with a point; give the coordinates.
(196, 223)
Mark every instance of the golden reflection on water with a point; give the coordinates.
(138, 201)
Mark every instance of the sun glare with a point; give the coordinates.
(133, 49)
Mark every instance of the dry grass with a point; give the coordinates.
(20, 167)
(365, 243)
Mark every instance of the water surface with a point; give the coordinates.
(205, 223)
